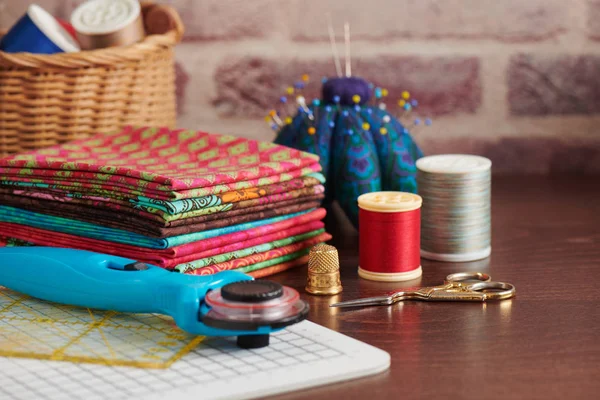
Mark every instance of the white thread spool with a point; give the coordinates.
(108, 23)
(456, 211)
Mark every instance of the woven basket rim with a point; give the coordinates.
(99, 57)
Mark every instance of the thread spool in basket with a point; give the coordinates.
(389, 236)
(456, 218)
(108, 23)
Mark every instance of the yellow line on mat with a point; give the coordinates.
(189, 347)
(112, 352)
(59, 353)
(14, 302)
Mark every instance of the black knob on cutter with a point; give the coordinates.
(253, 341)
(228, 311)
(136, 266)
(252, 291)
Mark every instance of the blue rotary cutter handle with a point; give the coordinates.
(228, 303)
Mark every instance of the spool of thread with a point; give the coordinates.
(108, 23)
(456, 215)
(389, 236)
(38, 32)
(68, 27)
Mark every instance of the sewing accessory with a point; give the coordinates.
(456, 214)
(323, 271)
(455, 288)
(108, 23)
(38, 32)
(302, 356)
(363, 145)
(389, 236)
(225, 304)
(68, 27)
(41, 330)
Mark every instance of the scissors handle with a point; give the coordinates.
(467, 276)
(455, 288)
(474, 292)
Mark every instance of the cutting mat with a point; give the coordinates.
(47, 331)
(59, 352)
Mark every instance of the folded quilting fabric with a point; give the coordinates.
(159, 232)
(224, 257)
(174, 206)
(277, 268)
(114, 191)
(34, 236)
(85, 229)
(268, 193)
(256, 258)
(121, 194)
(273, 239)
(10, 241)
(297, 255)
(33, 200)
(177, 160)
(133, 223)
(275, 198)
(42, 237)
(258, 270)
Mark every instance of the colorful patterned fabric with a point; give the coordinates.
(133, 223)
(275, 269)
(272, 199)
(111, 208)
(43, 237)
(251, 243)
(169, 198)
(113, 191)
(298, 255)
(180, 159)
(9, 241)
(119, 198)
(85, 229)
(200, 203)
(144, 216)
(256, 258)
(37, 237)
(274, 208)
(259, 270)
(224, 257)
(85, 189)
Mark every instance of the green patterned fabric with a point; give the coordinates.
(274, 261)
(245, 252)
(85, 229)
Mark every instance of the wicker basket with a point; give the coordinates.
(51, 99)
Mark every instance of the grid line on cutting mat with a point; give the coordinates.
(198, 360)
(31, 328)
(215, 359)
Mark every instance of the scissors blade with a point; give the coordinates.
(370, 301)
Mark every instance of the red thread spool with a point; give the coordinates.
(389, 236)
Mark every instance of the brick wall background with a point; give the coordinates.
(514, 80)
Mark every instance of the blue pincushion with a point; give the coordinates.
(362, 147)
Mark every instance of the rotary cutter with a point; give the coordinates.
(228, 303)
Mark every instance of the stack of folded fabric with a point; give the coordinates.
(193, 202)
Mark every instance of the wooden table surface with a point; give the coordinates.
(543, 344)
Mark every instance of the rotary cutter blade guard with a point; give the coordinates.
(225, 304)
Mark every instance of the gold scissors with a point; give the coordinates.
(455, 288)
